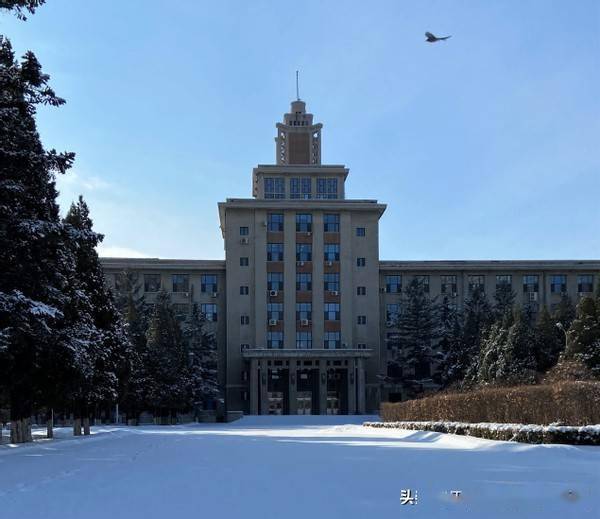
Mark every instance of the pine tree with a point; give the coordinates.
(450, 341)
(113, 348)
(583, 337)
(564, 313)
(132, 375)
(507, 352)
(504, 300)
(478, 316)
(417, 327)
(202, 347)
(40, 323)
(549, 340)
(168, 378)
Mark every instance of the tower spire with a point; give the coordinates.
(297, 87)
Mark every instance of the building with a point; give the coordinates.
(302, 306)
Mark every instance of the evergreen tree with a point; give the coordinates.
(113, 349)
(450, 341)
(43, 314)
(417, 327)
(504, 300)
(168, 377)
(549, 340)
(132, 375)
(583, 338)
(202, 348)
(507, 352)
(478, 316)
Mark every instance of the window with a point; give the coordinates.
(274, 187)
(275, 222)
(331, 252)
(303, 281)
(361, 291)
(275, 340)
(558, 284)
(332, 311)
(585, 283)
(275, 311)
(208, 283)
(361, 319)
(244, 290)
(331, 340)
(331, 223)
(331, 282)
(303, 311)
(151, 282)
(361, 262)
(275, 280)
(244, 261)
(392, 312)
(303, 340)
(181, 283)
(476, 283)
(449, 286)
(303, 222)
(393, 284)
(327, 188)
(244, 231)
(181, 311)
(423, 282)
(503, 281)
(209, 311)
(274, 251)
(361, 231)
(121, 282)
(303, 252)
(244, 319)
(530, 283)
(300, 188)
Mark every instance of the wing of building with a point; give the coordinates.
(302, 306)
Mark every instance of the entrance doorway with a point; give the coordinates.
(277, 391)
(307, 391)
(337, 391)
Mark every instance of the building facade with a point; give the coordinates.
(302, 307)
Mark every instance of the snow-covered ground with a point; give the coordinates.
(292, 467)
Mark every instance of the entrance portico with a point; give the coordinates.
(306, 381)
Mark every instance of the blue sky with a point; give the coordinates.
(486, 146)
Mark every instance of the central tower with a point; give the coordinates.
(298, 139)
(302, 267)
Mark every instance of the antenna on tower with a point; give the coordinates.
(297, 87)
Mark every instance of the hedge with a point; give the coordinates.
(572, 403)
(585, 435)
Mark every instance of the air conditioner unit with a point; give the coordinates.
(215, 294)
(382, 290)
(303, 322)
(308, 233)
(533, 296)
(244, 241)
(330, 263)
(273, 293)
(272, 322)
(186, 294)
(454, 294)
(300, 263)
(334, 292)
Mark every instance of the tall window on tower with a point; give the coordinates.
(327, 188)
(298, 148)
(274, 187)
(300, 188)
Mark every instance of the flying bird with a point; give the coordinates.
(432, 39)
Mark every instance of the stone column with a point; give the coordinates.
(293, 388)
(264, 397)
(322, 387)
(361, 387)
(351, 381)
(253, 386)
